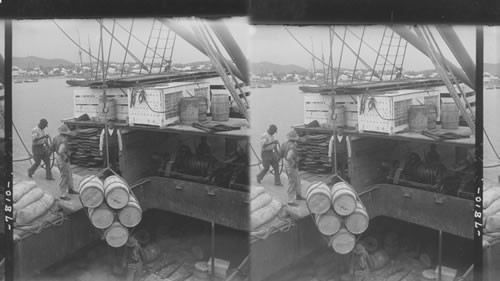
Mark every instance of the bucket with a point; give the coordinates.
(318, 198)
(110, 107)
(417, 116)
(431, 116)
(339, 116)
(116, 235)
(449, 116)
(357, 222)
(91, 192)
(328, 223)
(343, 241)
(131, 214)
(220, 107)
(343, 199)
(202, 108)
(101, 217)
(188, 110)
(116, 192)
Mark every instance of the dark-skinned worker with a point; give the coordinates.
(292, 167)
(61, 147)
(269, 155)
(40, 149)
(114, 146)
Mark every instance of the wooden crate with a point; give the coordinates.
(317, 107)
(86, 101)
(159, 105)
(390, 114)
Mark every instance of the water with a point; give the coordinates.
(491, 115)
(51, 99)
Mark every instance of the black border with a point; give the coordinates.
(375, 11)
(9, 225)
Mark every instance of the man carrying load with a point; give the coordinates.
(269, 155)
(40, 149)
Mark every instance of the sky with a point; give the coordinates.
(259, 43)
(42, 38)
(275, 44)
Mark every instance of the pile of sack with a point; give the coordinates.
(491, 207)
(30, 203)
(264, 210)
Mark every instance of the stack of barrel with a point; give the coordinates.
(338, 213)
(111, 207)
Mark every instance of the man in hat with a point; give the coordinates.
(61, 148)
(114, 146)
(269, 155)
(40, 149)
(289, 148)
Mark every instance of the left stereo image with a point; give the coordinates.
(130, 151)
(2, 150)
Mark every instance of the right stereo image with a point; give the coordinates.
(364, 161)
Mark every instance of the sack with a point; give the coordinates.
(265, 214)
(493, 223)
(256, 191)
(21, 188)
(490, 196)
(34, 210)
(30, 197)
(260, 201)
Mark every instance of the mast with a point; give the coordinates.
(314, 65)
(80, 52)
(325, 77)
(90, 58)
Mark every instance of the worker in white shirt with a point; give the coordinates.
(115, 146)
(40, 149)
(343, 149)
(269, 155)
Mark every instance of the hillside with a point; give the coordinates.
(493, 68)
(267, 67)
(31, 61)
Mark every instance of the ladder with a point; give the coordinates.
(159, 48)
(390, 55)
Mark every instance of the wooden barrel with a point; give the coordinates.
(318, 198)
(131, 214)
(101, 217)
(202, 108)
(417, 116)
(343, 241)
(188, 110)
(110, 108)
(116, 235)
(449, 116)
(91, 192)
(431, 116)
(116, 192)
(343, 199)
(219, 107)
(328, 223)
(357, 222)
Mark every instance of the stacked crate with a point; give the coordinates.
(387, 112)
(318, 107)
(89, 101)
(159, 105)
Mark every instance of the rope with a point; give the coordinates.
(141, 98)
(305, 48)
(491, 143)
(22, 142)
